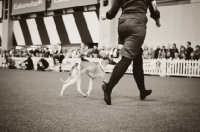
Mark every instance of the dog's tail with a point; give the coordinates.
(66, 80)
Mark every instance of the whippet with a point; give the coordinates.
(92, 69)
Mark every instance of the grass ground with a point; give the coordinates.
(29, 101)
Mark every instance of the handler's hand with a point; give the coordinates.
(158, 22)
(103, 17)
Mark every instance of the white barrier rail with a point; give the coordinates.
(189, 68)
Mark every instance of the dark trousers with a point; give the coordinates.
(41, 68)
(122, 67)
(11, 67)
(29, 67)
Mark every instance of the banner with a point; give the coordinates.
(59, 4)
(152, 65)
(27, 6)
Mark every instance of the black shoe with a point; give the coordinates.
(145, 94)
(107, 97)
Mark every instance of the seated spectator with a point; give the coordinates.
(145, 52)
(157, 52)
(68, 53)
(174, 50)
(151, 53)
(28, 63)
(74, 53)
(192, 56)
(4, 59)
(197, 53)
(176, 57)
(78, 53)
(95, 52)
(183, 56)
(182, 52)
(115, 52)
(110, 54)
(108, 51)
(11, 63)
(162, 53)
(169, 53)
(42, 64)
(102, 52)
(46, 53)
(11, 53)
(86, 51)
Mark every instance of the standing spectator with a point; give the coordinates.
(169, 51)
(197, 52)
(174, 50)
(189, 50)
(157, 52)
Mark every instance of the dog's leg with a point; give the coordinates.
(90, 87)
(66, 85)
(79, 86)
(103, 77)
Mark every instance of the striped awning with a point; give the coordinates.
(81, 27)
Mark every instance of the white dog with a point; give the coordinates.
(92, 69)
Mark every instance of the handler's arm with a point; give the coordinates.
(114, 9)
(155, 14)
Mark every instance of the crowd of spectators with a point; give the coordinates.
(60, 54)
(73, 52)
(172, 52)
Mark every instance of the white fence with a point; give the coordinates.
(162, 67)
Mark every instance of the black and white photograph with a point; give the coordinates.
(99, 65)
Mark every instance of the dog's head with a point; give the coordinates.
(108, 60)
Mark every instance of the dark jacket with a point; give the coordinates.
(30, 63)
(189, 51)
(44, 62)
(132, 9)
(157, 52)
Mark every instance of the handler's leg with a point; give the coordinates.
(117, 74)
(138, 74)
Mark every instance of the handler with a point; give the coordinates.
(132, 32)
